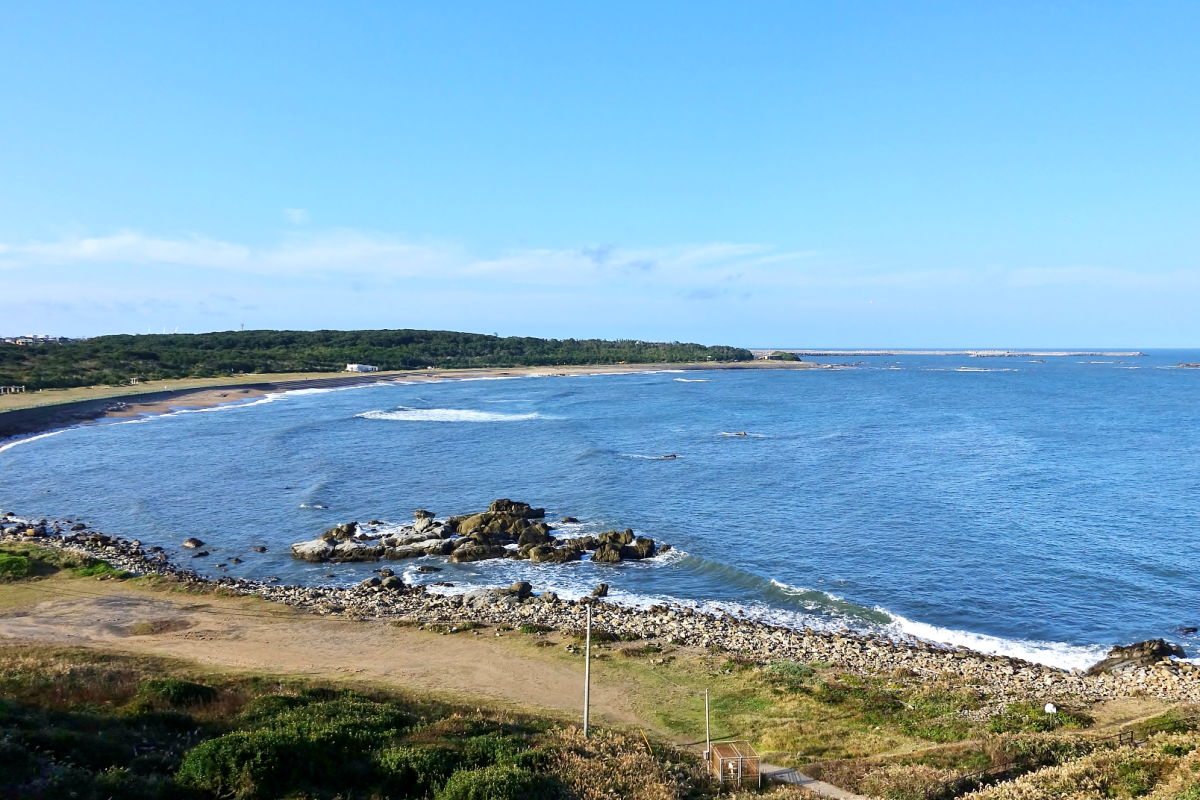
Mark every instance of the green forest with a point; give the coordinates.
(115, 360)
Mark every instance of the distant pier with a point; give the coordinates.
(763, 353)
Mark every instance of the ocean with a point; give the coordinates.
(1042, 508)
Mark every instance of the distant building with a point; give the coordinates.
(361, 368)
(34, 338)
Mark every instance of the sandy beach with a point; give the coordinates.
(37, 412)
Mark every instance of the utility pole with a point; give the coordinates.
(587, 671)
(707, 731)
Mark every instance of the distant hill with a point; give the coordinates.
(119, 359)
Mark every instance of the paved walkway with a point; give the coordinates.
(773, 773)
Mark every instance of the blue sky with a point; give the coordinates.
(998, 174)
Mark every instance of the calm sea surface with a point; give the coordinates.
(1043, 509)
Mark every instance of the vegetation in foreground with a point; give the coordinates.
(119, 359)
(83, 724)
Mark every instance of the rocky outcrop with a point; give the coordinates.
(507, 529)
(1131, 657)
(193, 543)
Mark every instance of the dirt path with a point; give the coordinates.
(250, 635)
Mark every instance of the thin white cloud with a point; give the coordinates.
(296, 216)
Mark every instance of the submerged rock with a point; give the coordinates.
(193, 543)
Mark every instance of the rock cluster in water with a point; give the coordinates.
(508, 529)
(1000, 678)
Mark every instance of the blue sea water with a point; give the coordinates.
(1046, 509)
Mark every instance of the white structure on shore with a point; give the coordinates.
(361, 368)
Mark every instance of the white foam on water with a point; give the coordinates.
(1052, 654)
(691, 380)
(28, 439)
(650, 458)
(403, 414)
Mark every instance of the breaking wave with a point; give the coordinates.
(404, 414)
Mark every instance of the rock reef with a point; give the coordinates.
(507, 529)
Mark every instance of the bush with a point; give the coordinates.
(483, 751)
(14, 567)
(501, 782)
(415, 771)
(174, 692)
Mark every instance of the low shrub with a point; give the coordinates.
(415, 771)
(1031, 718)
(14, 567)
(176, 693)
(500, 782)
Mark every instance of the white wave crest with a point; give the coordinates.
(403, 414)
(1052, 654)
(28, 439)
(691, 380)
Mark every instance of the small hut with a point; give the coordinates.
(735, 764)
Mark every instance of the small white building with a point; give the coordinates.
(361, 368)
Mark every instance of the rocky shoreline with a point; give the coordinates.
(1145, 669)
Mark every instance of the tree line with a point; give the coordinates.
(119, 359)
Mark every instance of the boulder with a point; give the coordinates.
(370, 582)
(521, 589)
(641, 547)
(423, 524)
(426, 568)
(192, 543)
(476, 552)
(569, 520)
(607, 553)
(616, 537)
(78, 526)
(421, 513)
(316, 550)
(391, 583)
(357, 551)
(518, 509)
(600, 591)
(258, 548)
(1141, 654)
(534, 534)
(339, 533)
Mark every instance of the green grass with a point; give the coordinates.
(23, 560)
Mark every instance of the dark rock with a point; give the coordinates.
(569, 519)
(607, 553)
(1142, 654)
(258, 548)
(235, 560)
(600, 591)
(78, 526)
(391, 583)
(421, 513)
(427, 569)
(476, 552)
(1186, 630)
(517, 509)
(193, 543)
(521, 589)
(374, 580)
(385, 573)
(534, 534)
(340, 533)
(641, 547)
(616, 537)
(200, 554)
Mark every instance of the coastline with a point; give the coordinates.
(19, 418)
(1002, 679)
